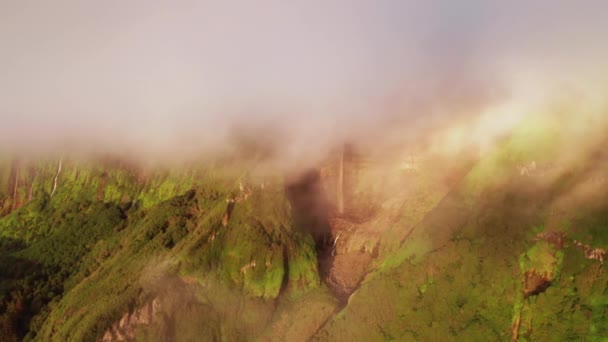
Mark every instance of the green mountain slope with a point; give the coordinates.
(499, 258)
(510, 247)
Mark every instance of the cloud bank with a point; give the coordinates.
(181, 77)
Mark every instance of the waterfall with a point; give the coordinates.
(56, 177)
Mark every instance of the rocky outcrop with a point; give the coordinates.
(126, 328)
(353, 248)
(591, 253)
(556, 238)
(228, 212)
(527, 170)
(244, 193)
(535, 283)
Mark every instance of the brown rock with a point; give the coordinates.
(125, 328)
(535, 283)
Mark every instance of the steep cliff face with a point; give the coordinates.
(128, 325)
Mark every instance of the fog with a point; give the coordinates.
(182, 78)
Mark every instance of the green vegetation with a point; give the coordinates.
(42, 250)
(107, 234)
(459, 274)
(223, 257)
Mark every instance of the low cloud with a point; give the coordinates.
(182, 79)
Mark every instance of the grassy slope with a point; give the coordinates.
(458, 276)
(109, 234)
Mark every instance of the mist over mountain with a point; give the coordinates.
(171, 79)
(303, 171)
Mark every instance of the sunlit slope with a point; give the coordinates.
(99, 180)
(497, 258)
(183, 241)
(94, 256)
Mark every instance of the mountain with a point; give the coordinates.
(382, 245)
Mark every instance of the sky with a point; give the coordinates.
(172, 77)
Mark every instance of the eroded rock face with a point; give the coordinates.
(346, 265)
(535, 283)
(126, 328)
(556, 238)
(228, 213)
(591, 253)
